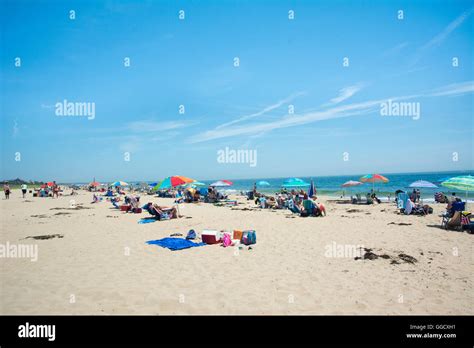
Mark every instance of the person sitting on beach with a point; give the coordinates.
(95, 199)
(280, 202)
(375, 198)
(160, 211)
(114, 201)
(319, 208)
(293, 206)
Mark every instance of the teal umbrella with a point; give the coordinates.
(263, 183)
(294, 183)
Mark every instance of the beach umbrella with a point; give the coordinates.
(263, 183)
(221, 183)
(119, 183)
(423, 184)
(311, 190)
(173, 181)
(294, 182)
(461, 183)
(373, 178)
(94, 183)
(351, 183)
(197, 183)
(50, 183)
(153, 184)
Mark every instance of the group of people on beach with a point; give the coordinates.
(297, 202)
(44, 191)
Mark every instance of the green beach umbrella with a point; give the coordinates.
(461, 183)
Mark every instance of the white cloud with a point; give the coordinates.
(438, 39)
(355, 109)
(263, 111)
(346, 93)
(443, 35)
(153, 126)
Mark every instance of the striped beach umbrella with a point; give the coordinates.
(173, 181)
(373, 178)
(461, 183)
(119, 183)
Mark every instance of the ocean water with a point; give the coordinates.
(331, 185)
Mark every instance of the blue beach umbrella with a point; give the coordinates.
(263, 183)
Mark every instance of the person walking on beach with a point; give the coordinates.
(24, 187)
(6, 189)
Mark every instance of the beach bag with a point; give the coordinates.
(191, 234)
(427, 209)
(226, 241)
(249, 237)
(238, 235)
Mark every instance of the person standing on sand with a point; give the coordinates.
(24, 187)
(6, 189)
(55, 189)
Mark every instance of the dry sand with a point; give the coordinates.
(288, 271)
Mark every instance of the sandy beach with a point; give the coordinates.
(101, 264)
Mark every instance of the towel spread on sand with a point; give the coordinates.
(175, 243)
(146, 220)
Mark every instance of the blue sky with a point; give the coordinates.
(190, 62)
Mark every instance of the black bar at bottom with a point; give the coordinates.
(218, 330)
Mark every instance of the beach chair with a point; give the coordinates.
(308, 206)
(292, 207)
(449, 214)
(454, 222)
(466, 223)
(369, 199)
(402, 199)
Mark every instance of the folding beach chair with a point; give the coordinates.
(449, 214)
(466, 223)
(308, 206)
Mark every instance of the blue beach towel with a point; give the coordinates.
(146, 220)
(175, 243)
